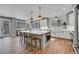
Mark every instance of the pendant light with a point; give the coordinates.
(39, 17)
(31, 15)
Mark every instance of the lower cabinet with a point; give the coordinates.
(61, 34)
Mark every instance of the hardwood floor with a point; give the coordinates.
(58, 46)
(10, 45)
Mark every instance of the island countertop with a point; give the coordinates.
(38, 32)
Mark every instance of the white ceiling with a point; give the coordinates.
(23, 10)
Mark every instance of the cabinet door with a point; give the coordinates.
(35, 24)
(43, 24)
(18, 25)
(6, 27)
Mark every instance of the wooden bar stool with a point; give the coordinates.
(34, 42)
(27, 39)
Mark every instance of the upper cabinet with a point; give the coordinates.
(20, 24)
(43, 24)
(35, 24)
(39, 24)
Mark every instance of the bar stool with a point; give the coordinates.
(21, 38)
(27, 39)
(34, 42)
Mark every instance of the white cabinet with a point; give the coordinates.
(20, 25)
(61, 34)
(9, 25)
(5, 26)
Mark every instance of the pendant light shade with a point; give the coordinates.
(39, 17)
(31, 18)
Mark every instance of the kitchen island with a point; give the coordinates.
(42, 34)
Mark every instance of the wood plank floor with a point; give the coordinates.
(10, 45)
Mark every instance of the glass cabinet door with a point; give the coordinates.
(18, 24)
(35, 24)
(6, 27)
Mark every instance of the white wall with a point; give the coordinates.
(71, 19)
(63, 18)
